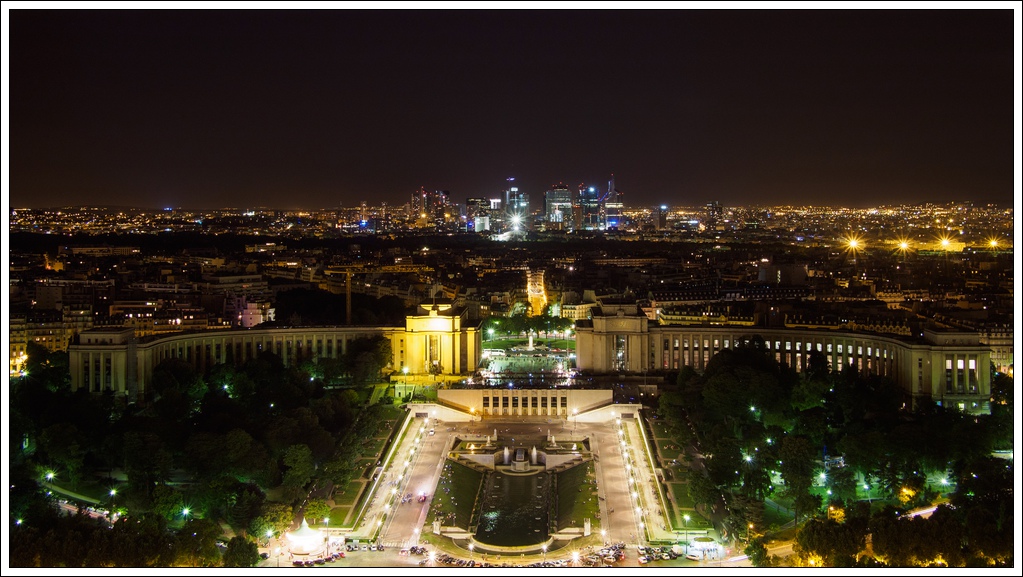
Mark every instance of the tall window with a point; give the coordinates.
(618, 357)
(948, 375)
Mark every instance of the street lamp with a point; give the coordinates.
(575, 413)
(686, 519)
(544, 552)
(405, 371)
(470, 551)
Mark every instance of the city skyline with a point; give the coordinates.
(306, 109)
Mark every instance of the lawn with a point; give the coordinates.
(774, 518)
(348, 496)
(577, 496)
(458, 484)
(659, 430)
(339, 516)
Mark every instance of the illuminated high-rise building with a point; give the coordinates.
(516, 207)
(589, 208)
(431, 208)
(558, 208)
(613, 205)
(714, 212)
(477, 214)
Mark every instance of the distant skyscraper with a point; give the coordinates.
(431, 208)
(714, 214)
(516, 207)
(589, 208)
(558, 207)
(613, 205)
(477, 214)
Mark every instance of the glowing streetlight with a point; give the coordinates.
(686, 519)
(404, 370)
(471, 547)
(186, 512)
(852, 246)
(544, 552)
(50, 475)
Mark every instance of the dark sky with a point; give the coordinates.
(320, 108)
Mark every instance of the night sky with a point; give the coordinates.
(321, 108)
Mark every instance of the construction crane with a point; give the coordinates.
(349, 269)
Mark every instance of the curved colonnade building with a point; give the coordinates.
(436, 341)
(951, 368)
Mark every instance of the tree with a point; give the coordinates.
(756, 551)
(1001, 422)
(146, 460)
(299, 469)
(835, 543)
(274, 517)
(195, 544)
(686, 374)
(61, 442)
(248, 501)
(316, 509)
(805, 504)
(798, 459)
(166, 502)
(241, 552)
(842, 481)
(701, 489)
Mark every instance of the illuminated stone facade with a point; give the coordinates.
(438, 340)
(495, 401)
(951, 368)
